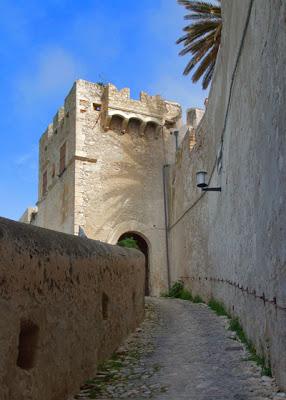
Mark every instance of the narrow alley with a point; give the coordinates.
(183, 351)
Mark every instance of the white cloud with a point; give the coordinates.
(53, 72)
(25, 166)
(27, 159)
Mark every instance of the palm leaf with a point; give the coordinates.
(208, 60)
(208, 75)
(202, 38)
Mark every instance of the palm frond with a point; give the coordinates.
(202, 38)
(196, 45)
(209, 59)
(201, 7)
(208, 75)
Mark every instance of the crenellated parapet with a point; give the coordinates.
(60, 118)
(147, 110)
(90, 110)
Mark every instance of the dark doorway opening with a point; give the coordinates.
(143, 246)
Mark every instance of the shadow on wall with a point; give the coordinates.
(130, 177)
(143, 246)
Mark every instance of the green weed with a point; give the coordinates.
(218, 308)
(197, 299)
(186, 295)
(235, 326)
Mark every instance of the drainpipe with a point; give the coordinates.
(165, 171)
(176, 133)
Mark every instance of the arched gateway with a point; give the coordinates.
(108, 170)
(143, 246)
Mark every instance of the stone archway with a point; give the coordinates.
(143, 246)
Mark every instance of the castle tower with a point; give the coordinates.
(101, 169)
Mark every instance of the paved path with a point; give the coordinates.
(184, 352)
(199, 360)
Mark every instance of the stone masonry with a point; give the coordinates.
(66, 303)
(115, 152)
(230, 245)
(101, 169)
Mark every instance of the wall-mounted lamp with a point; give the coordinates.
(201, 182)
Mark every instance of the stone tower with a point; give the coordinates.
(101, 170)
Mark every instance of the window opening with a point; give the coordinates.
(105, 301)
(53, 171)
(96, 107)
(63, 158)
(45, 183)
(28, 341)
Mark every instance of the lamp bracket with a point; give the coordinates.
(214, 189)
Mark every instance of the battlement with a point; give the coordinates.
(112, 102)
(58, 120)
(151, 106)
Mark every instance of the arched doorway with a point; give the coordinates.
(143, 246)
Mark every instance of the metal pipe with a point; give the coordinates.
(176, 133)
(165, 167)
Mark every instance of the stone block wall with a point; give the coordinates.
(119, 173)
(112, 184)
(66, 303)
(56, 205)
(231, 245)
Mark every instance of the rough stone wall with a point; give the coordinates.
(113, 182)
(66, 303)
(230, 245)
(119, 174)
(56, 207)
(29, 215)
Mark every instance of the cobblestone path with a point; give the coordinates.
(183, 351)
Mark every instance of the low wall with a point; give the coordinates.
(66, 303)
(231, 245)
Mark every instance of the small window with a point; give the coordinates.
(53, 171)
(134, 299)
(96, 107)
(104, 306)
(44, 183)
(63, 158)
(28, 342)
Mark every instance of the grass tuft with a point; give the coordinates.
(197, 299)
(186, 295)
(235, 326)
(218, 308)
(178, 291)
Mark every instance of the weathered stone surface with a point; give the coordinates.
(231, 245)
(181, 355)
(113, 181)
(66, 304)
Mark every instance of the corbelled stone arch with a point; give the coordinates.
(116, 123)
(134, 126)
(151, 129)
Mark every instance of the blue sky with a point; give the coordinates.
(46, 45)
